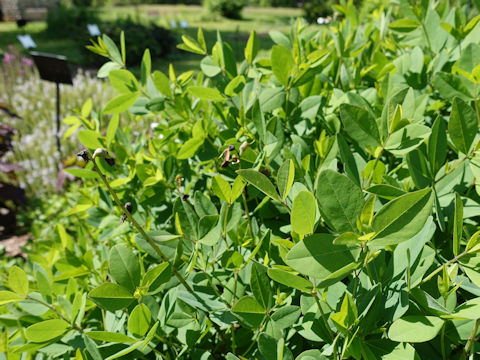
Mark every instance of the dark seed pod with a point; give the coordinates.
(129, 208)
(84, 155)
(110, 161)
(225, 164)
(231, 147)
(185, 197)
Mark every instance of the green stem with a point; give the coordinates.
(138, 227)
(324, 317)
(435, 272)
(225, 220)
(234, 296)
(471, 338)
(248, 213)
(452, 169)
(51, 307)
(149, 239)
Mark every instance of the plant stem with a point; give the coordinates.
(433, 273)
(138, 227)
(51, 307)
(471, 338)
(325, 320)
(234, 295)
(149, 239)
(248, 213)
(225, 224)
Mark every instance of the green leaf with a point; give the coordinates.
(235, 86)
(112, 50)
(190, 148)
(290, 280)
(123, 81)
(139, 320)
(8, 297)
(209, 67)
(83, 173)
(17, 280)
(469, 310)
(124, 267)
(340, 200)
(109, 337)
(463, 125)
(451, 85)
(156, 276)
(285, 177)
(146, 66)
(282, 63)
(404, 25)
(162, 83)
(415, 329)
(248, 304)
(348, 160)
(437, 145)
(106, 68)
(260, 181)
(271, 99)
(249, 311)
(259, 120)
(317, 256)
(347, 315)
(190, 44)
(310, 106)
(46, 330)
(232, 259)
(120, 103)
(260, 285)
(252, 47)
(222, 188)
(360, 125)
(112, 129)
(111, 296)
(457, 224)
(402, 218)
(303, 213)
(385, 191)
(90, 139)
(286, 316)
(206, 93)
(237, 188)
(406, 139)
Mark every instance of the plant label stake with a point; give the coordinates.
(53, 68)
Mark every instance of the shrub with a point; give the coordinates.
(140, 36)
(314, 9)
(318, 203)
(231, 9)
(72, 21)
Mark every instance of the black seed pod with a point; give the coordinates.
(129, 207)
(84, 155)
(231, 147)
(185, 197)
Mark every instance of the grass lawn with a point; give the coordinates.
(235, 32)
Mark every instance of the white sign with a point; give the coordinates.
(26, 41)
(93, 30)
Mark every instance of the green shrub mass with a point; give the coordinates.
(231, 9)
(321, 203)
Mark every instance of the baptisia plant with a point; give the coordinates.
(320, 202)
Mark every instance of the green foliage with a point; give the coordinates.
(231, 9)
(320, 202)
